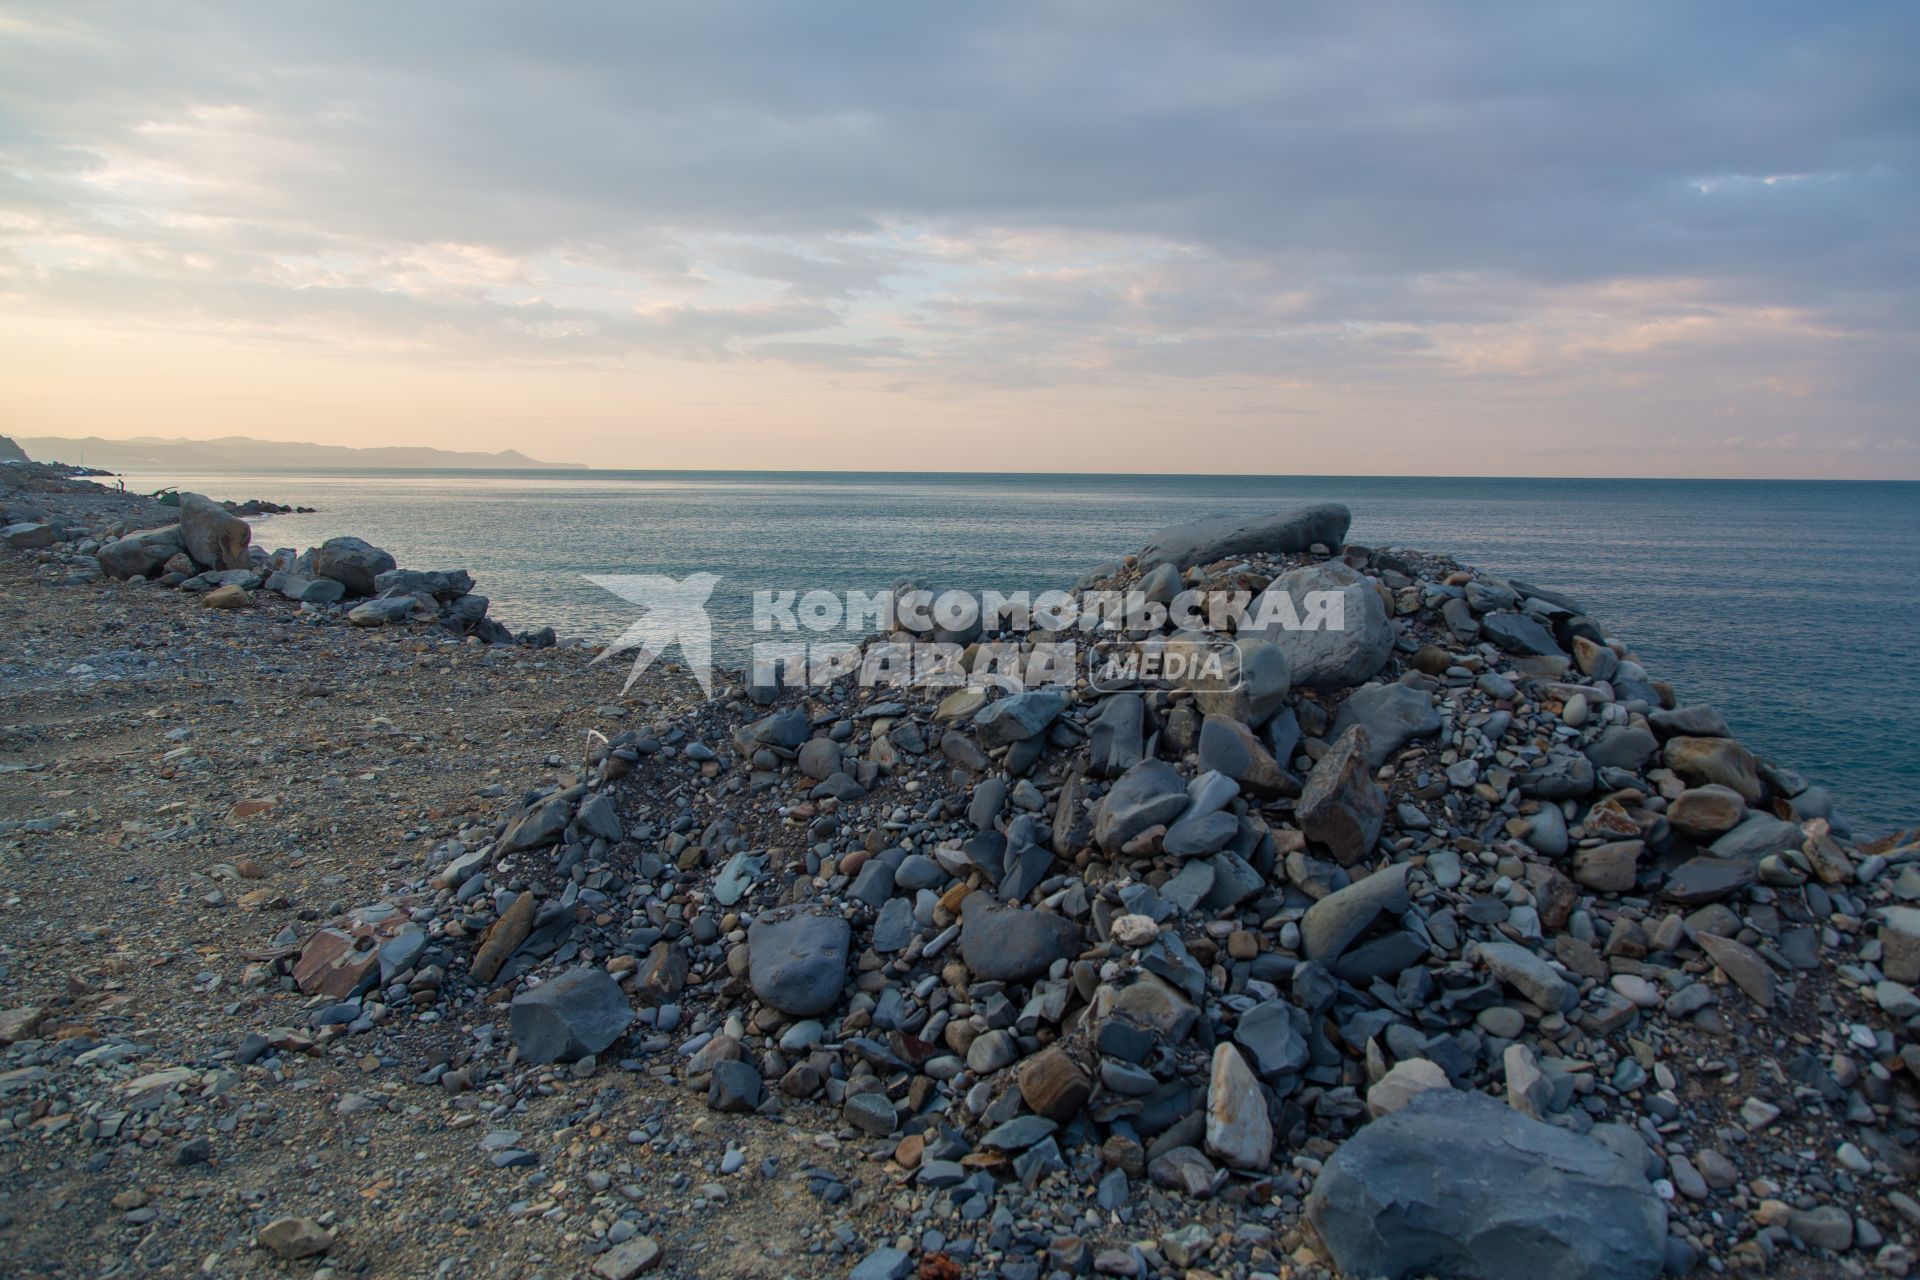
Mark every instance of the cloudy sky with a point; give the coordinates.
(1540, 239)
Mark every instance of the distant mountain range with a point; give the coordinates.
(241, 453)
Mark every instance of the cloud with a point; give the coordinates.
(1613, 200)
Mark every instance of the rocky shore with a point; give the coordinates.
(343, 937)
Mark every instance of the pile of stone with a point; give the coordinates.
(1273, 945)
(210, 551)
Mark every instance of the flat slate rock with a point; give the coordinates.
(1698, 881)
(1217, 538)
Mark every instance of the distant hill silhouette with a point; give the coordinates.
(243, 453)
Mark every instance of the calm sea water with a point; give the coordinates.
(1792, 606)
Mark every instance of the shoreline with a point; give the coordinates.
(1206, 940)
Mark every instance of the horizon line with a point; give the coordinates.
(571, 469)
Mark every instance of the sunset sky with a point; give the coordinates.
(1540, 239)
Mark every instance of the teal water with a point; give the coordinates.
(1793, 606)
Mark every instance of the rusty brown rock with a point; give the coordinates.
(1707, 811)
(1054, 1085)
(336, 963)
(504, 938)
(1554, 896)
(1608, 868)
(1703, 761)
(662, 976)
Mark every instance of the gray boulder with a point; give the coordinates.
(1249, 687)
(214, 536)
(30, 536)
(1216, 538)
(1274, 1033)
(1012, 944)
(139, 554)
(1528, 974)
(1622, 746)
(1392, 714)
(798, 964)
(1152, 792)
(1757, 836)
(579, 1013)
(1456, 1184)
(1231, 749)
(1334, 632)
(354, 564)
(1518, 633)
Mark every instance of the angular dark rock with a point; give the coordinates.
(1456, 1184)
(1150, 794)
(579, 1013)
(353, 563)
(1342, 808)
(1392, 714)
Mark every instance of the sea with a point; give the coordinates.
(1793, 606)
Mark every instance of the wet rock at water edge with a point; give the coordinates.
(353, 563)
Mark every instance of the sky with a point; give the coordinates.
(1492, 239)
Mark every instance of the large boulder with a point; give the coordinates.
(571, 1017)
(798, 963)
(140, 554)
(1250, 685)
(1455, 1184)
(354, 564)
(30, 535)
(1333, 626)
(1012, 944)
(214, 536)
(1218, 537)
(378, 613)
(302, 590)
(1018, 718)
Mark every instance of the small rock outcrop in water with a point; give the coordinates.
(1463, 947)
(210, 548)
